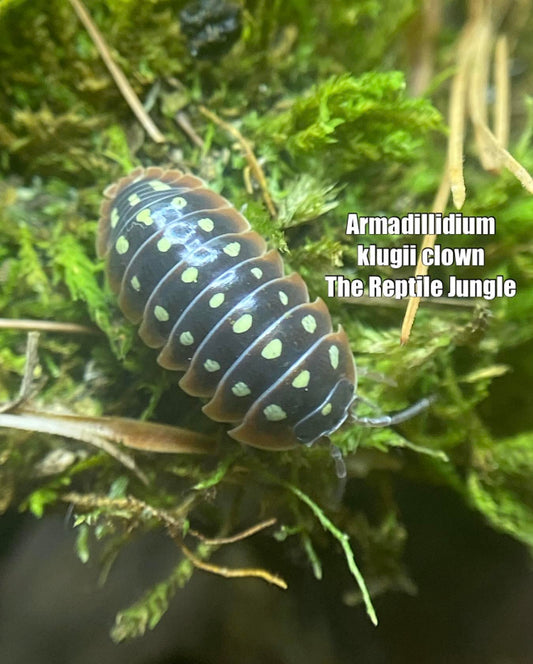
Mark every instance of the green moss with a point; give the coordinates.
(352, 121)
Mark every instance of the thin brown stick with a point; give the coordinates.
(233, 573)
(247, 180)
(26, 385)
(118, 75)
(217, 541)
(248, 154)
(477, 89)
(52, 423)
(502, 90)
(45, 423)
(135, 434)
(174, 527)
(183, 122)
(424, 36)
(173, 520)
(152, 436)
(457, 120)
(470, 83)
(439, 205)
(507, 160)
(45, 326)
(491, 152)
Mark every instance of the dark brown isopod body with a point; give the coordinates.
(208, 293)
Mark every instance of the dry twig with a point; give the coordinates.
(468, 99)
(217, 541)
(231, 573)
(45, 326)
(101, 432)
(118, 75)
(183, 122)
(142, 510)
(424, 38)
(248, 154)
(82, 431)
(439, 204)
(174, 526)
(27, 383)
(502, 110)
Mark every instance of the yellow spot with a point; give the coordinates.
(186, 338)
(144, 217)
(206, 224)
(272, 350)
(309, 323)
(164, 244)
(240, 389)
(190, 275)
(178, 202)
(257, 272)
(160, 313)
(334, 356)
(243, 324)
(133, 200)
(327, 409)
(135, 283)
(122, 245)
(211, 366)
(217, 300)
(283, 297)
(114, 217)
(274, 413)
(157, 185)
(302, 379)
(232, 249)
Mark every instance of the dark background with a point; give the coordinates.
(474, 602)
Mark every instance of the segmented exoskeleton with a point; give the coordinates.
(210, 295)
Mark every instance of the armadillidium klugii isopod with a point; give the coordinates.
(208, 293)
